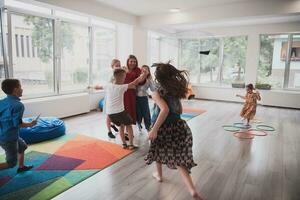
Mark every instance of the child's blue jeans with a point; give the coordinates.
(143, 111)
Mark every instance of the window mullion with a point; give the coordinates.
(199, 56)
(4, 45)
(57, 57)
(91, 52)
(10, 69)
(288, 62)
(221, 58)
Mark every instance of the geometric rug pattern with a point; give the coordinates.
(59, 164)
(189, 112)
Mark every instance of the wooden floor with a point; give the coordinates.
(228, 168)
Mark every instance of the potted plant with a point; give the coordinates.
(263, 86)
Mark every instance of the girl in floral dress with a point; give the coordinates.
(171, 137)
(249, 108)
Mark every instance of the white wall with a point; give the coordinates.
(140, 44)
(124, 42)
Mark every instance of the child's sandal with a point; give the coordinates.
(132, 147)
(124, 146)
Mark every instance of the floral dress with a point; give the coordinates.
(174, 142)
(249, 108)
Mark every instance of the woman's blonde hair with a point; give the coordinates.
(114, 61)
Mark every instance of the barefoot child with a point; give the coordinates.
(249, 108)
(114, 95)
(171, 137)
(11, 113)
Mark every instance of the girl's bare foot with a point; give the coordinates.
(195, 195)
(157, 177)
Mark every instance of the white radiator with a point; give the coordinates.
(58, 106)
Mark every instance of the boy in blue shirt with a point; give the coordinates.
(11, 113)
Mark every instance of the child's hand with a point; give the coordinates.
(152, 134)
(33, 123)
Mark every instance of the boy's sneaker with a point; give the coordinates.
(132, 147)
(114, 127)
(140, 128)
(110, 135)
(24, 168)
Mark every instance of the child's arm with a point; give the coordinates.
(258, 95)
(27, 124)
(136, 81)
(164, 111)
(240, 96)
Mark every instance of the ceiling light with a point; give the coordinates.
(174, 10)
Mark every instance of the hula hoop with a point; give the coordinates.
(257, 121)
(241, 126)
(257, 132)
(262, 127)
(243, 135)
(230, 128)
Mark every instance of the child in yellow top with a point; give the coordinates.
(249, 108)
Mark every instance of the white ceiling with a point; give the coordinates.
(150, 7)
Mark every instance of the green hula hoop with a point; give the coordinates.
(262, 127)
(241, 125)
(230, 128)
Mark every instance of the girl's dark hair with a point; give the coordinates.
(8, 85)
(172, 82)
(132, 57)
(250, 86)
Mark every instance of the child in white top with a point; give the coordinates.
(115, 104)
(115, 64)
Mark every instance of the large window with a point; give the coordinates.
(51, 53)
(234, 60)
(223, 65)
(35, 73)
(190, 58)
(74, 56)
(294, 68)
(104, 52)
(279, 61)
(210, 64)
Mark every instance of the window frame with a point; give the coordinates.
(287, 60)
(218, 83)
(50, 13)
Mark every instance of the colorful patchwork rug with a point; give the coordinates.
(190, 112)
(58, 165)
